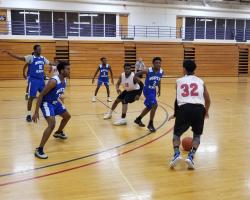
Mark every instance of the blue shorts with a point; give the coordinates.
(35, 85)
(50, 110)
(104, 81)
(150, 98)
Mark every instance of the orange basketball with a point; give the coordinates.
(187, 143)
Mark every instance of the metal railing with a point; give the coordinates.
(81, 29)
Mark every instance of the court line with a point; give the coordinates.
(85, 165)
(93, 154)
(114, 164)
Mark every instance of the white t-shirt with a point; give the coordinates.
(190, 89)
(29, 59)
(128, 82)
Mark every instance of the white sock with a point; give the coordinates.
(29, 112)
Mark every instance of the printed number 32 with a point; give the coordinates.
(187, 92)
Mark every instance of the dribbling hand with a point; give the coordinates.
(35, 117)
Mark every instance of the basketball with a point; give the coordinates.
(187, 143)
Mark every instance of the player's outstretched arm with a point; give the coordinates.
(96, 72)
(22, 58)
(141, 72)
(51, 84)
(207, 101)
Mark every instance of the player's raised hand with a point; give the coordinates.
(35, 117)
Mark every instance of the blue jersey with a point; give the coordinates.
(56, 92)
(153, 79)
(104, 70)
(36, 68)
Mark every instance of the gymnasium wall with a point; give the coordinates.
(212, 59)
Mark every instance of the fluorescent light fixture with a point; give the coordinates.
(81, 22)
(31, 13)
(88, 15)
(31, 31)
(73, 32)
(75, 28)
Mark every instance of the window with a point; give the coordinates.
(239, 35)
(85, 24)
(72, 24)
(230, 29)
(189, 28)
(98, 25)
(45, 23)
(247, 31)
(32, 22)
(210, 28)
(220, 29)
(17, 22)
(110, 25)
(200, 28)
(59, 24)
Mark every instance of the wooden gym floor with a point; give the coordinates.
(101, 161)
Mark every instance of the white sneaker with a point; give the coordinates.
(94, 99)
(120, 122)
(40, 154)
(107, 116)
(109, 99)
(190, 162)
(176, 159)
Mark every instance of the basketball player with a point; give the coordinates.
(36, 64)
(132, 92)
(51, 106)
(103, 78)
(53, 69)
(191, 107)
(153, 79)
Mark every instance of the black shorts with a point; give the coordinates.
(129, 96)
(190, 115)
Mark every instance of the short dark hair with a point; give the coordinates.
(61, 65)
(35, 46)
(156, 58)
(126, 65)
(189, 65)
(102, 58)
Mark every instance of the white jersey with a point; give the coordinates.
(128, 82)
(54, 70)
(190, 89)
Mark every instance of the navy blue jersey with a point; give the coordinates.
(153, 79)
(56, 92)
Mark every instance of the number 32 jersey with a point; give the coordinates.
(190, 90)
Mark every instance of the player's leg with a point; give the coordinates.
(61, 110)
(198, 118)
(152, 115)
(49, 114)
(27, 92)
(108, 115)
(33, 88)
(122, 120)
(181, 125)
(108, 91)
(99, 83)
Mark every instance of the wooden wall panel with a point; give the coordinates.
(11, 68)
(216, 60)
(85, 57)
(171, 54)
